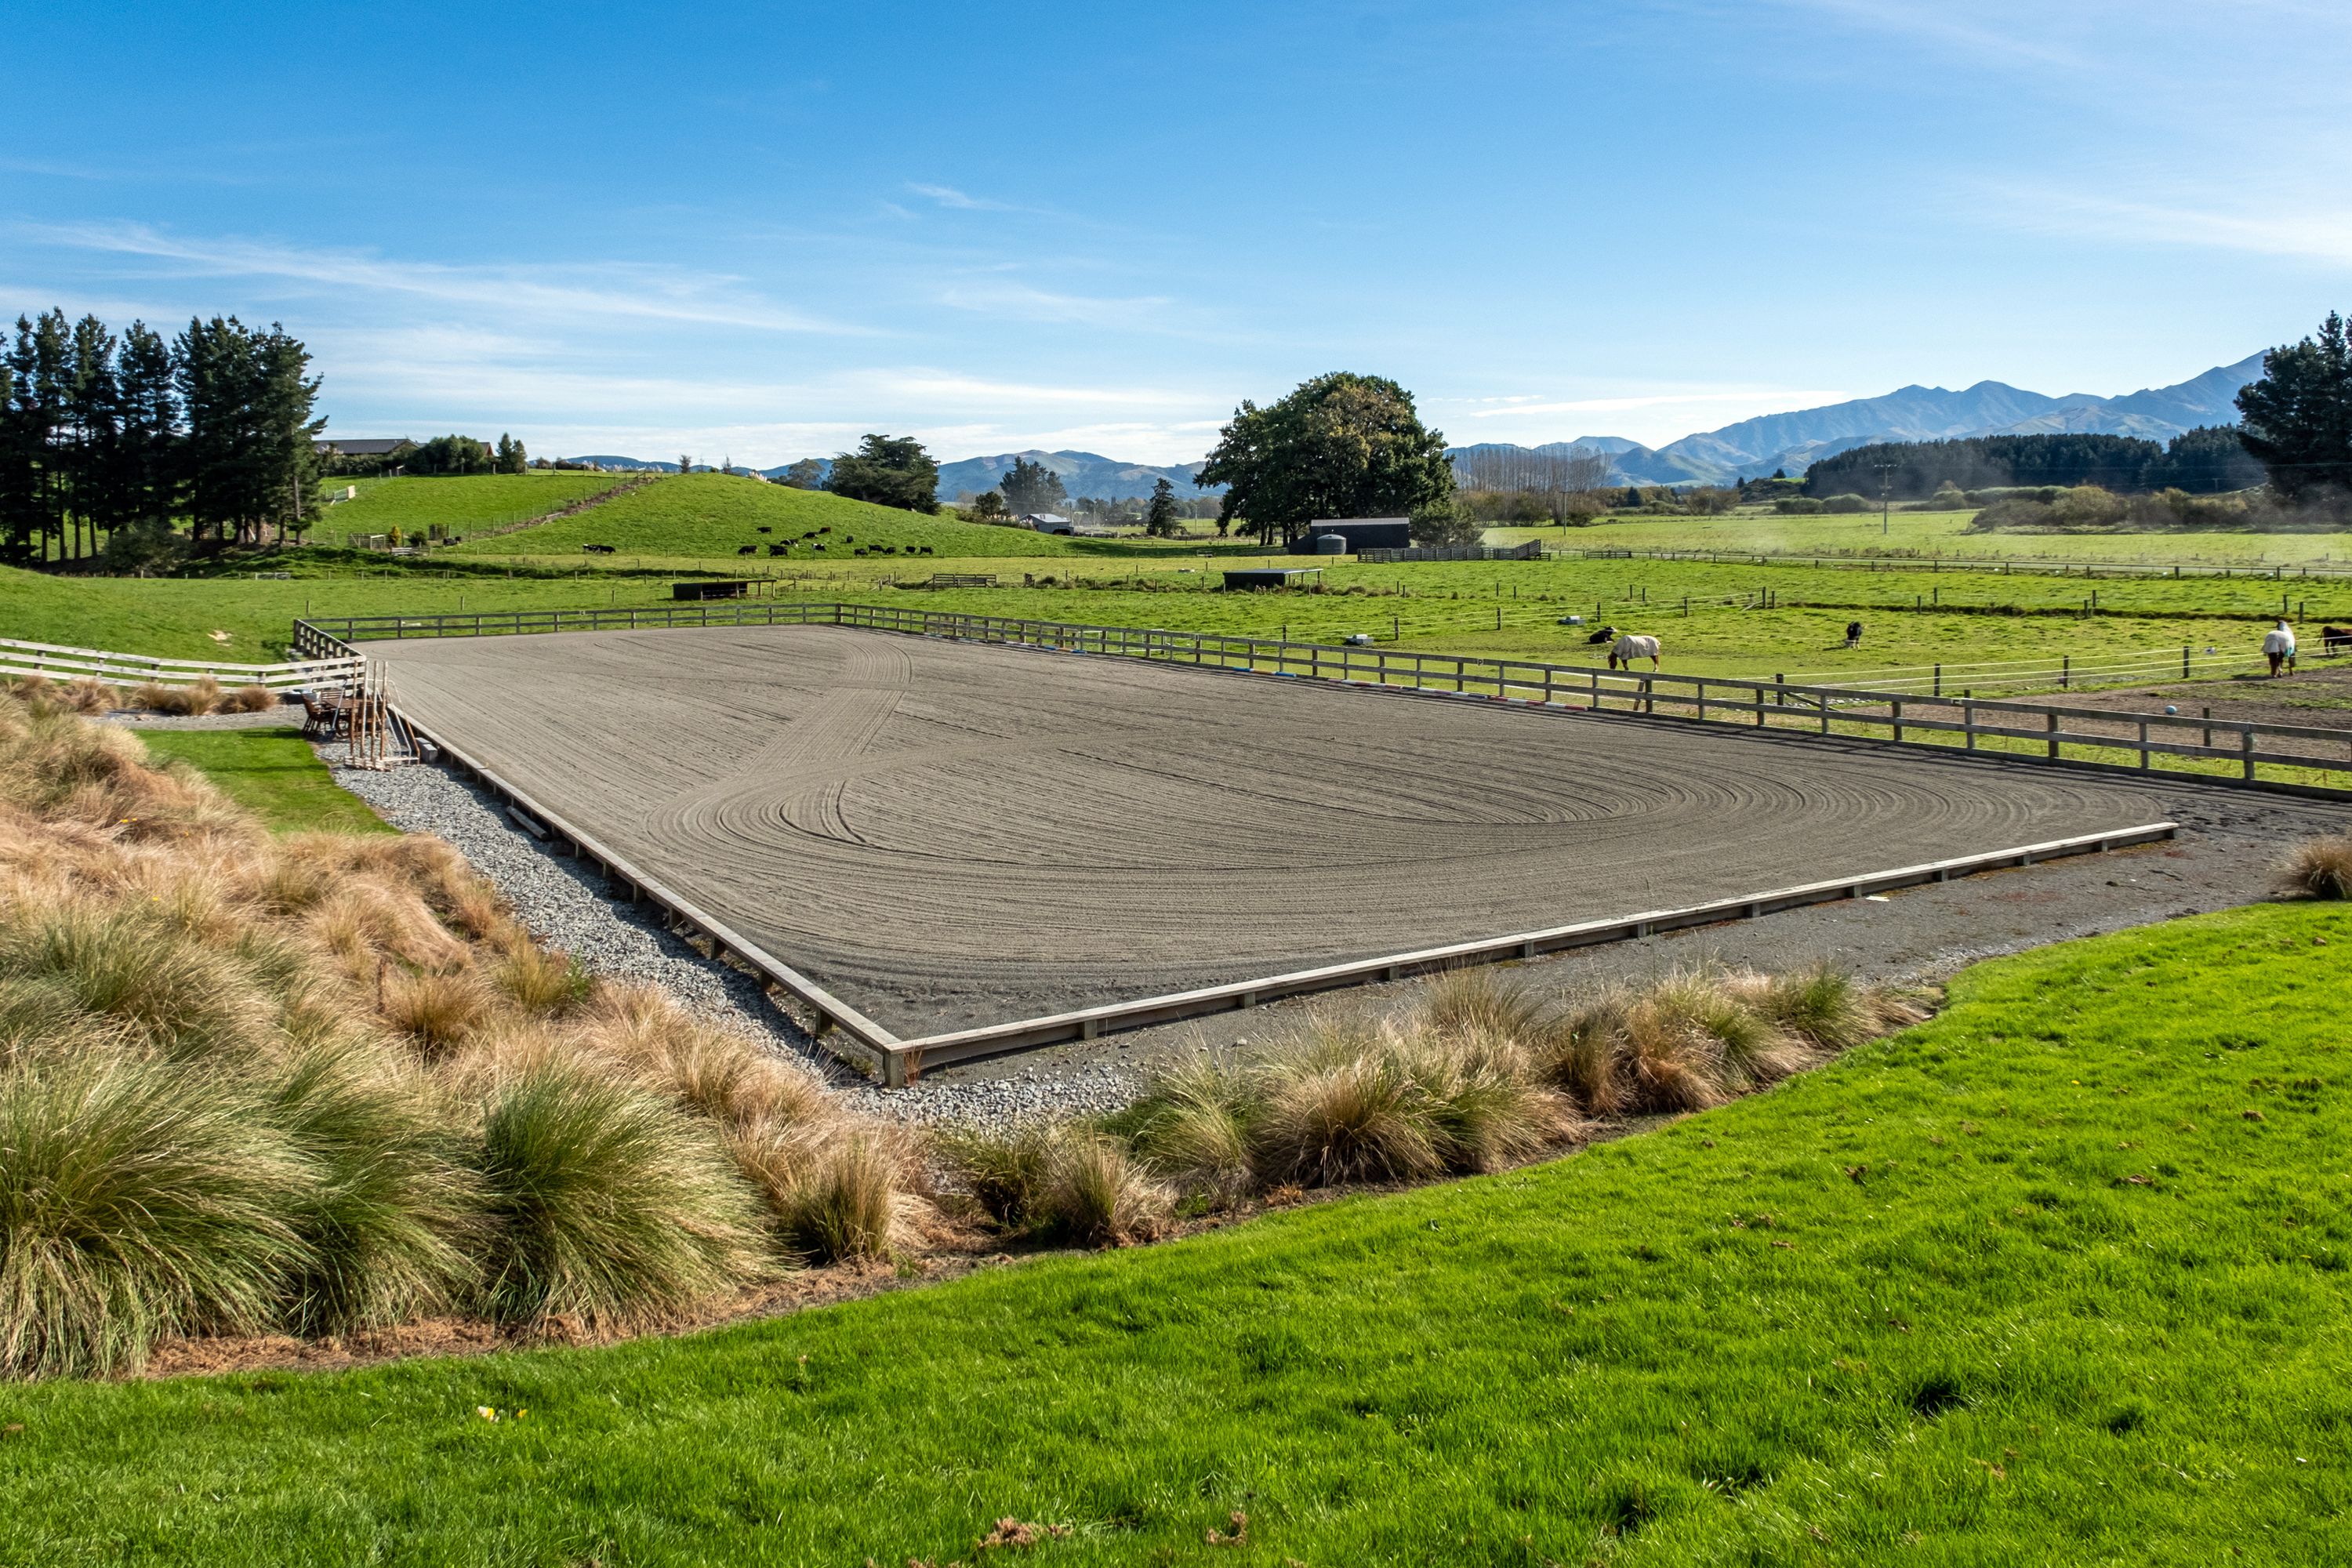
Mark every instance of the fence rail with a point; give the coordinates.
(2002, 566)
(55, 662)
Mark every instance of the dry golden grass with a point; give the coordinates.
(329, 1082)
(2320, 868)
(1486, 1074)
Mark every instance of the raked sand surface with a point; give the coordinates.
(950, 834)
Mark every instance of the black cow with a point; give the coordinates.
(2334, 639)
(748, 550)
(767, 530)
(780, 550)
(596, 548)
(1606, 634)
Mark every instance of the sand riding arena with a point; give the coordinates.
(948, 837)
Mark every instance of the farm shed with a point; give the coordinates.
(1365, 532)
(725, 588)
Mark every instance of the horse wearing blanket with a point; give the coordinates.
(1632, 647)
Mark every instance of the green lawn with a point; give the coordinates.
(272, 772)
(713, 515)
(459, 502)
(2057, 1278)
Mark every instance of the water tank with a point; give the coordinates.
(1331, 544)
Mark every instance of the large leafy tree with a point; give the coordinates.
(2298, 416)
(1032, 487)
(451, 454)
(1340, 446)
(890, 470)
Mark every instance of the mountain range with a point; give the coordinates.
(1793, 442)
(1748, 448)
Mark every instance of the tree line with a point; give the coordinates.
(107, 439)
(2205, 460)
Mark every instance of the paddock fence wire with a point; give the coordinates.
(2242, 753)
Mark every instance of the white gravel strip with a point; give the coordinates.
(568, 904)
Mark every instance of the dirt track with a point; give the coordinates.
(950, 834)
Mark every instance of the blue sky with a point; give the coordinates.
(759, 232)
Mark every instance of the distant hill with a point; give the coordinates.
(1083, 474)
(1795, 441)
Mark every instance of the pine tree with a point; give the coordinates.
(2298, 416)
(1159, 518)
(93, 420)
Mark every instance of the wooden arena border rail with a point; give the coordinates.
(900, 1061)
(1946, 723)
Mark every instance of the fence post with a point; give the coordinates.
(2054, 733)
(1898, 717)
(2246, 747)
(1968, 723)
(2184, 661)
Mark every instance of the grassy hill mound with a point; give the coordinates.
(714, 515)
(2058, 1276)
(459, 502)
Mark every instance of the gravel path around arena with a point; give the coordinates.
(950, 834)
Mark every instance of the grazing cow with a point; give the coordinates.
(1606, 634)
(1632, 647)
(780, 549)
(929, 550)
(816, 547)
(2334, 639)
(861, 552)
(767, 530)
(748, 550)
(826, 529)
(596, 548)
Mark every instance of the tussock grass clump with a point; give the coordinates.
(544, 980)
(2320, 868)
(390, 1215)
(1097, 1191)
(1003, 1174)
(252, 699)
(201, 696)
(610, 1207)
(321, 1084)
(436, 1011)
(1194, 1124)
(138, 1198)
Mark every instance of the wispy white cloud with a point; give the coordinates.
(2282, 229)
(1018, 302)
(949, 196)
(589, 290)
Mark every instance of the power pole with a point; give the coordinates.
(1883, 471)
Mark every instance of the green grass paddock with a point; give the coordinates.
(272, 772)
(712, 515)
(2026, 1284)
(459, 502)
(1933, 533)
